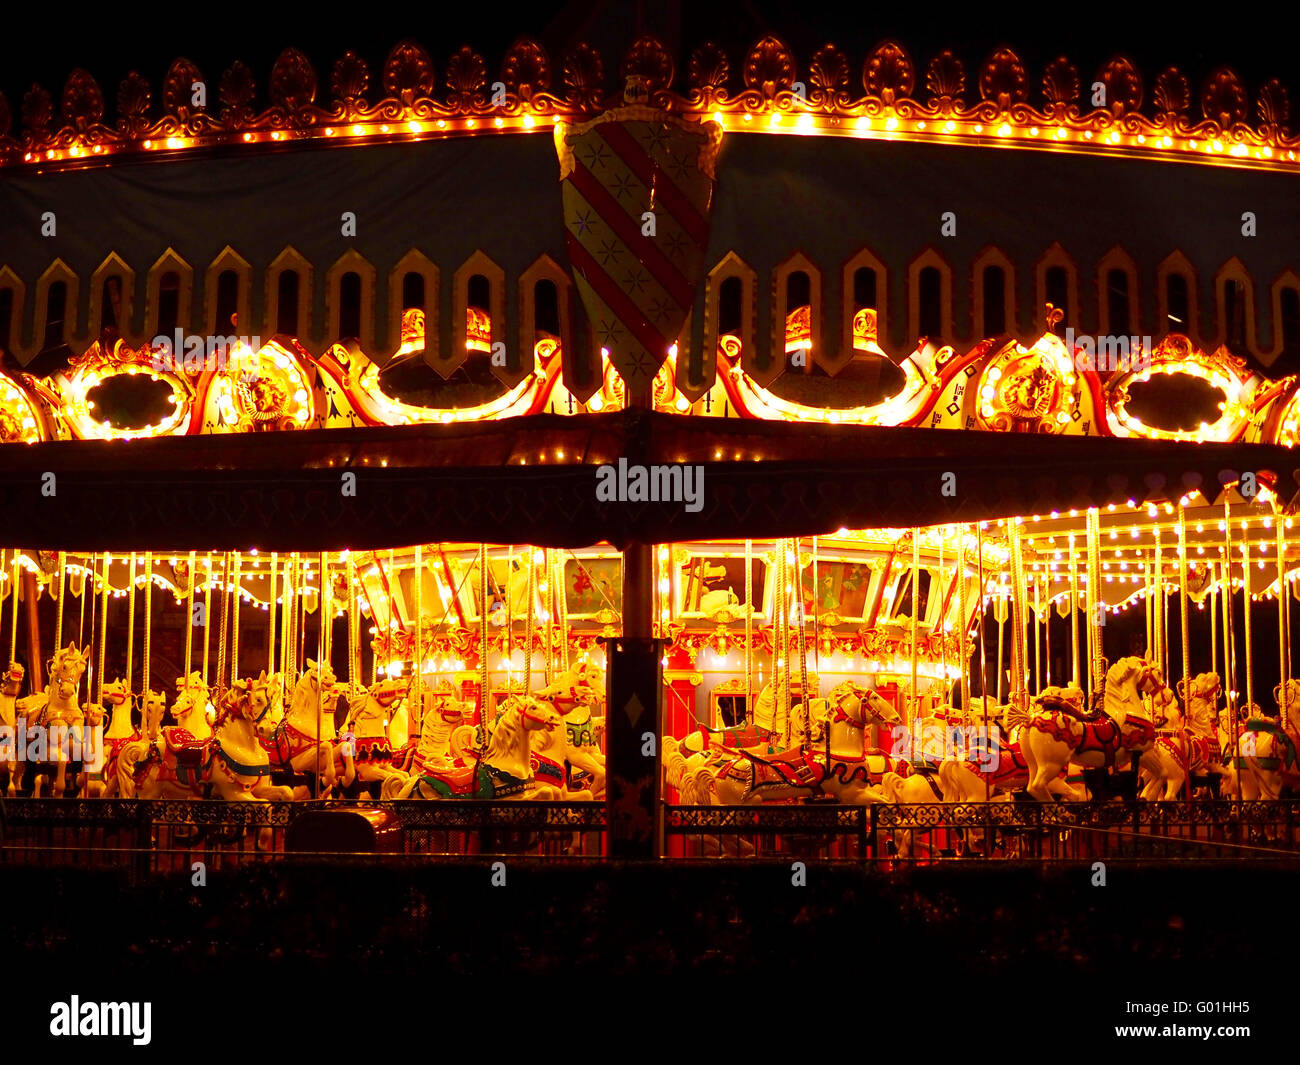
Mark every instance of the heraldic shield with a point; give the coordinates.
(638, 193)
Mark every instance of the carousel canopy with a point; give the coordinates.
(282, 216)
(534, 479)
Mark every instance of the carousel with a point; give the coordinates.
(960, 582)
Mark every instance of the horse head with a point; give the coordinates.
(153, 705)
(65, 669)
(116, 693)
(582, 685)
(321, 674)
(191, 696)
(11, 682)
(1287, 697)
(249, 701)
(443, 706)
(872, 707)
(539, 715)
(376, 704)
(1200, 698)
(1126, 682)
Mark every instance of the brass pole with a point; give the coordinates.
(130, 624)
(189, 619)
(63, 585)
(1074, 614)
(273, 595)
(207, 614)
(103, 630)
(915, 710)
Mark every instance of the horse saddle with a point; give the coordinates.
(182, 746)
(796, 767)
(459, 778)
(548, 771)
(734, 739)
(1069, 709)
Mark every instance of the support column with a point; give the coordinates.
(634, 717)
(35, 664)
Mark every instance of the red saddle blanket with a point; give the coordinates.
(182, 745)
(1103, 736)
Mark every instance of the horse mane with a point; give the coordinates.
(505, 735)
(1121, 685)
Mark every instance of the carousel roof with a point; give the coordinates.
(533, 479)
(452, 176)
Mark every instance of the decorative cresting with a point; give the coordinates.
(1157, 123)
(20, 416)
(99, 365)
(1175, 355)
(638, 192)
(998, 386)
(1004, 386)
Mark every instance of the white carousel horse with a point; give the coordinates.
(504, 770)
(577, 694)
(433, 747)
(10, 685)
(1116, 735)
(59, 713)
(116, 706)
(232, 761)
(191, 709)
(121, 730)
(303, 738)
(364, 752)
(1192, 746)
(999, 766)
(144, 741)
(1269, 746)
(548, 762)
(842, 767)
(691, 761)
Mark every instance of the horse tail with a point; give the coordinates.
(125, 764)
(462, 741)
(675, 764)
(891, 786)
(697, 786)
(949, 780)
(393, 786)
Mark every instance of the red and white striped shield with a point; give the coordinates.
(638, 192)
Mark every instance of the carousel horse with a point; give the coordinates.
(122, 730)
(10, 685)
(691, 760)
(116, 705)
(998, 766)
(231, 763)
(303, 738)
(58, 712)
(364, 751)
(1115, 735)
(577, 693)
(504, 770)
(842, 767)
(432, 746)
(1190, 747)
(549, 764)
(1270, 747)
(191, 707)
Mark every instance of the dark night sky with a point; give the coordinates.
(147, 36)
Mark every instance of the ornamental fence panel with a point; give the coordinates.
(1222, 830)
(150, 836)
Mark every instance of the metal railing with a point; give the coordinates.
(1028, 831)
(160, 836)
(163, 836)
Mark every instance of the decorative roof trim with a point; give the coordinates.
(775, 98)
